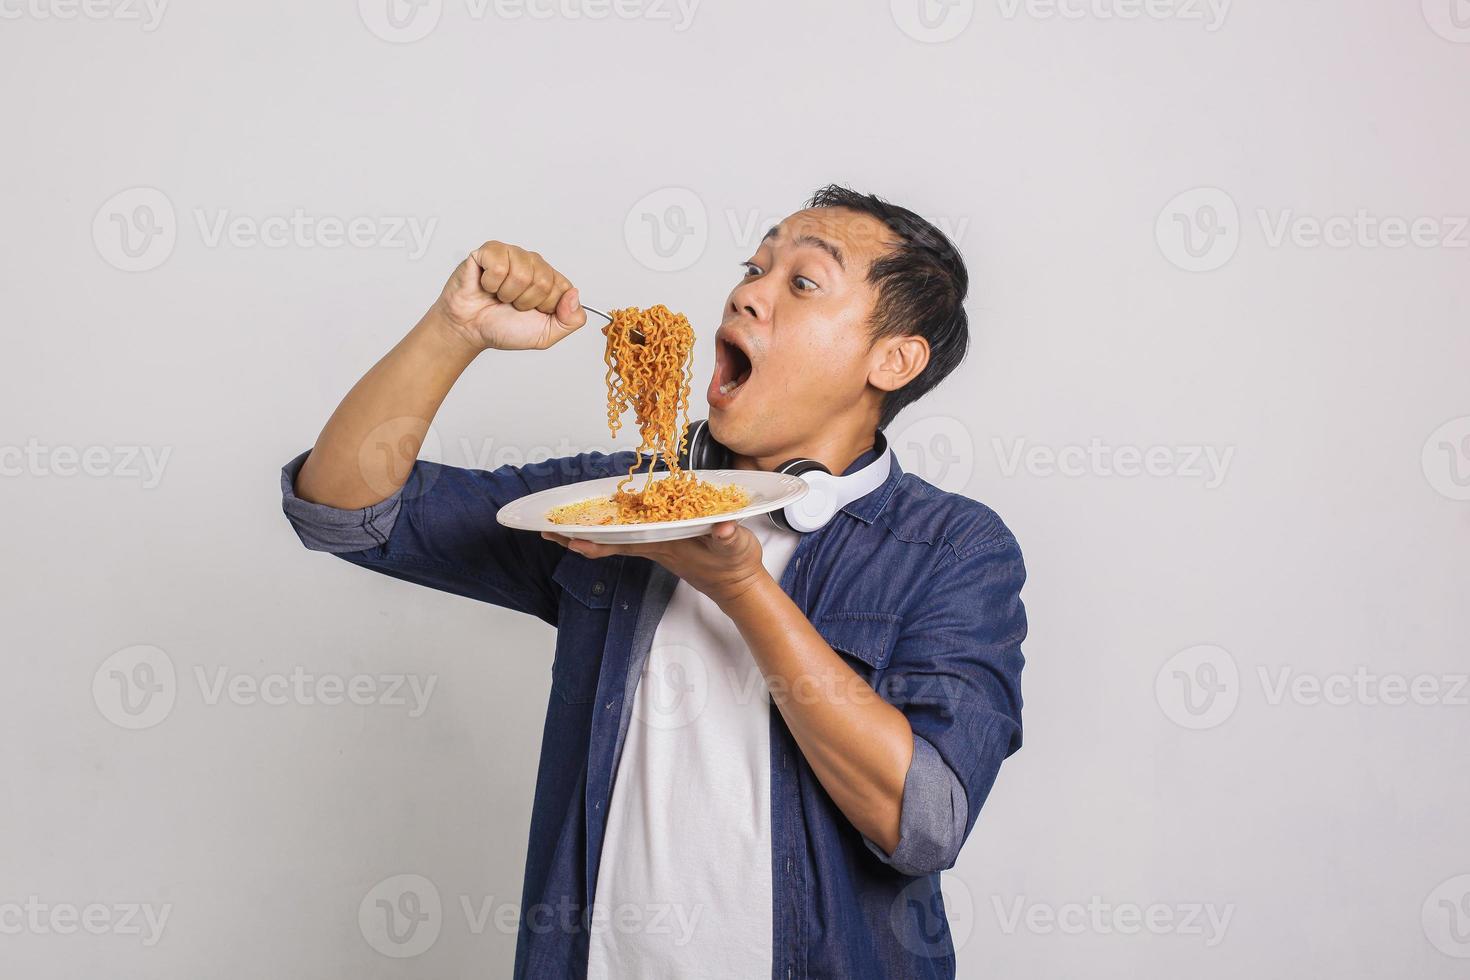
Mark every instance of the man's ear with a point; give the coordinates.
(899, 361)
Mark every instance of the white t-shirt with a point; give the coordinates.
(684, 883)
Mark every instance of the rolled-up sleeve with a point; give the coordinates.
(955, 673)
(331, 529)
(440, 528)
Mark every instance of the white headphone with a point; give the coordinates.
(828, 494)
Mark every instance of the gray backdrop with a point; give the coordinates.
(1217, 388)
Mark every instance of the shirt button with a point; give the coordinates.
(598, 588)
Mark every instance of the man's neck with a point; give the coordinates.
(836, 453)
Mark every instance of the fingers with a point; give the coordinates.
(586, 549)
(541, 277)
(568, 309)
(519, 273)
(556, 289)
(521, 278)
(493, 258)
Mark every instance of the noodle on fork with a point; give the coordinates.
(653, 379)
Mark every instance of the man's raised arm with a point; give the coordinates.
(500, 297)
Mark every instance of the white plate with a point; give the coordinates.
(768, 492)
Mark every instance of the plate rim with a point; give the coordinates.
(799, 490)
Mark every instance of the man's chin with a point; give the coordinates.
(723, 427)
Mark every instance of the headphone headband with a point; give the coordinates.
(829, 493)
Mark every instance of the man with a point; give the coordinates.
(842, 699)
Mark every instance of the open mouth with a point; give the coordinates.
(734, 368)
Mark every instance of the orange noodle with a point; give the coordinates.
(652, 378)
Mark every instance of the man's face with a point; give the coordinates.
(795, 334)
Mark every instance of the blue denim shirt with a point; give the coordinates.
(916, 588)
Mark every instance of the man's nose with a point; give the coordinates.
(747, 299)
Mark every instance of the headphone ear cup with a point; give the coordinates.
(701, 451)
(794, 467)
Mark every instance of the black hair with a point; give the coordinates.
(921, 283)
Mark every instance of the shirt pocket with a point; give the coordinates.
(865, 639)
(587, 588)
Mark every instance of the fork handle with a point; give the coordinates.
(635, 332)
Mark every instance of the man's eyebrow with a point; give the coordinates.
(825, 246)
(811, 240)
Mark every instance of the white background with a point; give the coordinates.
(1054, 143)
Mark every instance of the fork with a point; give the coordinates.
(634, 333)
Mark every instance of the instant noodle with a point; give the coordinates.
(652, 377)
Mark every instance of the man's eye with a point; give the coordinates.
(804, 284)
(751, 269)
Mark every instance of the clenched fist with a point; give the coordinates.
(505, 298)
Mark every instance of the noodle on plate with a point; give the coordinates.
(652, 378)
